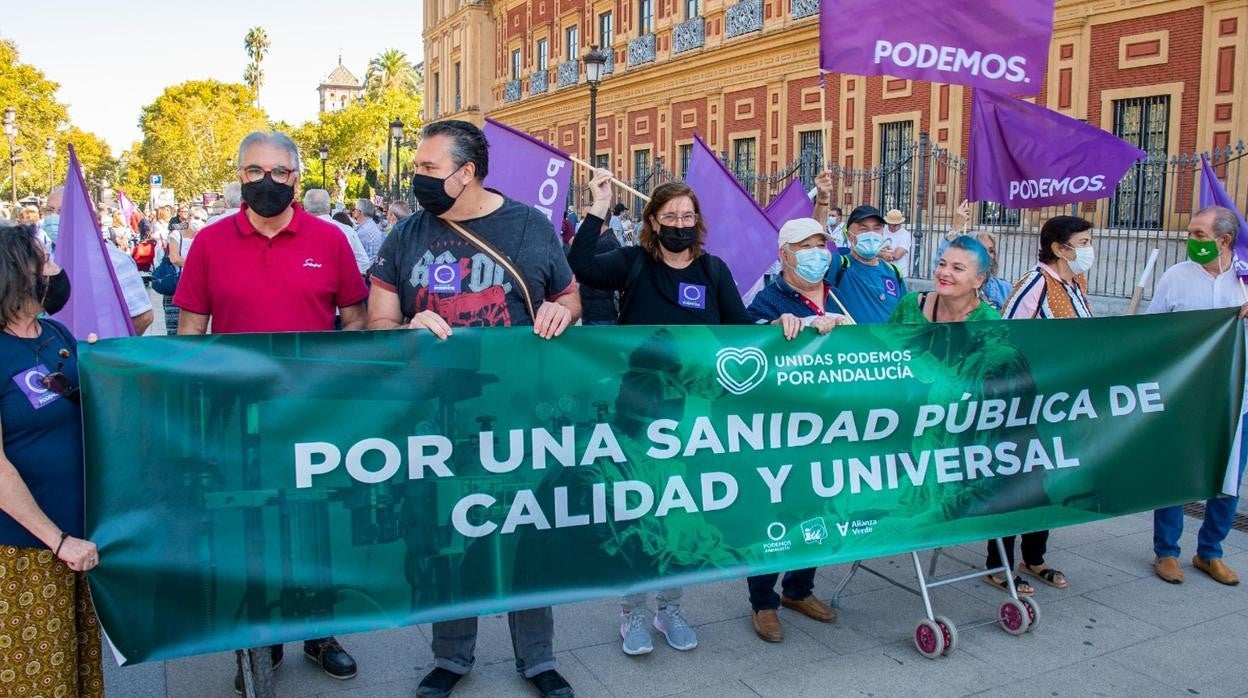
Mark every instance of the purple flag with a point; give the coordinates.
(528, 170)
(738, 231)
(792, 203)
(1212, 193)
(1000, 45)
(1025, 156)
(96, 304)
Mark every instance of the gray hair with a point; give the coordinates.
(366, 207)
(276, 139)
(1225, 222)
(233, 193)
(400, 209)
(316, 202)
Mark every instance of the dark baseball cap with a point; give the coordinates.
(862, 213)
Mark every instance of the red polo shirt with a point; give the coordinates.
(292, 282)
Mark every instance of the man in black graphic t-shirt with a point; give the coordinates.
(428, 275)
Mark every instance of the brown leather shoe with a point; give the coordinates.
(767, 625)
(1217, 569)
(811, 607)
(1168, 569)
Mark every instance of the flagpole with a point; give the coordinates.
(1144, 277)
(823, 119)
(839, 304)
(614, 181)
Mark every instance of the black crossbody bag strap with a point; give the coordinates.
(498, 256)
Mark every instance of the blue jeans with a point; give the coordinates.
(1219, 515)
(532, 640)
(797, 585)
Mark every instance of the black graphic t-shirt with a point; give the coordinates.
(431, 267)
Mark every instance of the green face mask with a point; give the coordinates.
(1202, 251)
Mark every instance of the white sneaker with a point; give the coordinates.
(675, 628)
(634, 633)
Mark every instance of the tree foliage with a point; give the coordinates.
(389, 72)
(191, 132)
(256, 43)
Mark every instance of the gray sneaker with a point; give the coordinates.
(675, 628)
(633, 630)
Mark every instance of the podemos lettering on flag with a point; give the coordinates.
(995, 44)
(1026, 156)
(528, 170)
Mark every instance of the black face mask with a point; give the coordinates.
(268, 198)
(53, 291)
(677, 240)
(431, 193)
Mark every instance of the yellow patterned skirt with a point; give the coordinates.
(49, 635)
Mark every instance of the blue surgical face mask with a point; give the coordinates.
(812, 264)
(869, 244)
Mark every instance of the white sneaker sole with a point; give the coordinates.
(673, 645)
(637, 652)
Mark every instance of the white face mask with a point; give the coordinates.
(1085, 258)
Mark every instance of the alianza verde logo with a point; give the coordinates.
(740, 370)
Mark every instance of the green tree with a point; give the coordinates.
(192, 131)
(390, 71)
(256, 42)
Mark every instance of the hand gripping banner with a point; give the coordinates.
(253, 489)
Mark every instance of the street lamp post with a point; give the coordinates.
(49, 149)
(324, 153)
(10, 131)
(396, 138)
(595, 65)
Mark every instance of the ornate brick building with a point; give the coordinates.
(1170, 75)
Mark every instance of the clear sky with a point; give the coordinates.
(112, 58)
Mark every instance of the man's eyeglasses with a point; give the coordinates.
(255, 173)
(58, 382)
(673, 219)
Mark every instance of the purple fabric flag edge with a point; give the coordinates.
(1212, 193)
(531, 139)
(75, 172)
(788, 206)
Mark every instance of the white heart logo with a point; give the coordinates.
(731, 363)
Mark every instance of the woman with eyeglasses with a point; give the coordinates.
(667, 279)
(1057, 288)
(48, 629)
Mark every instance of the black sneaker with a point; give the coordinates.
(551, 685)
(276, 654)
(438, 683)
(330, 656)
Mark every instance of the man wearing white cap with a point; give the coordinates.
(897, 242)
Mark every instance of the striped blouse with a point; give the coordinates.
(1041, 293)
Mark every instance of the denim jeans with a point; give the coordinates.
(661, 599)
(796, 586)
(532, 640)
(1219, 515)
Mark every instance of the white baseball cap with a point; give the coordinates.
(799, 229)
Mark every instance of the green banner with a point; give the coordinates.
(251, 489)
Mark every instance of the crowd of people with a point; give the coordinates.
(319, 269)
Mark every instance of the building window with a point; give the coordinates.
(686, 152)
(693, 8)
(606, 30)
(572, 39)
(1142, 122)
(645, 17)
(641, 177)
(543, 55)
(810, 154)
(602, 162)
(437, 94)
(744, 152)
(458, 92)
(896, 165)
(515, 64)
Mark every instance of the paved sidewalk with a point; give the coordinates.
(1118, 631)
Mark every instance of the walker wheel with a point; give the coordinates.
(1033, 612)
(1014, 617)
(950, 633)
(929, 639)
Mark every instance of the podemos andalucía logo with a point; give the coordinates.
(740, 370)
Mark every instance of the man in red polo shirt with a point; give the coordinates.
(273, 267)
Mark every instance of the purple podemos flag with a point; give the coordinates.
(1212, 193)
(737, 230)
(1026, 156)
(96, 304)
(528, 170)
(792, 203)
(1000, 45)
